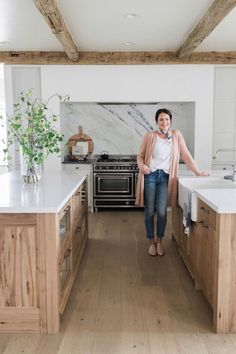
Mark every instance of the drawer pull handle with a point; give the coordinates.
(66, 255)
(203, 224)
(68, 251)
(67, 208)
(204, 209)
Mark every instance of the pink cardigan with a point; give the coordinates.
(179, 149)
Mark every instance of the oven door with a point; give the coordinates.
(113, 184)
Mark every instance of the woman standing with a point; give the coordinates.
(158, 162)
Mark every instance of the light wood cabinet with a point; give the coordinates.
(198, 248)
(80, 223)
(184, 241)
(75, 215)
(209, 254)
(87, 168)
(40, 254)
(176, 223)
(206, 235)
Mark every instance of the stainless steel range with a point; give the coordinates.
(114, 182)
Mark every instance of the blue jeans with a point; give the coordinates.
(155, 199)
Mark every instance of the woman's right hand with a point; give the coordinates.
(146, 170)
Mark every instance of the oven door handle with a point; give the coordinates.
(112, 175)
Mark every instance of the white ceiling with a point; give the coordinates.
(101, 25)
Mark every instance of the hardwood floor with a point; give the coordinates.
(125, 301)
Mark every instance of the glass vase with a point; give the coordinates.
(31, 173)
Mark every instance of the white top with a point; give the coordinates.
(161, 155)
(49, 195)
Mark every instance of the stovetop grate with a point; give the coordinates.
(118, 160)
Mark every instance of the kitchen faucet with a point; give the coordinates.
(222, 150)
(233, 176)
(234, 173)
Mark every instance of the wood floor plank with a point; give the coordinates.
(219, 343)
(133, 324)
(4, 339)
(79, 337)
(25, 343)
(108, 314)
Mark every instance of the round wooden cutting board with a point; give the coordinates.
(77, 138)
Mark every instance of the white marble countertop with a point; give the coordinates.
(221, 200)
(217, 192)
(49, 195)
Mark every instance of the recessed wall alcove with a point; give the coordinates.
(119, 127)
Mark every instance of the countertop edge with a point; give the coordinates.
(218, 209)
(41, 209)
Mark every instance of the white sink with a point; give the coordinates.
(187, 187)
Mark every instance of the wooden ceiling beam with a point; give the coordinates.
(214, 15)
(116, 58)
(53, 17)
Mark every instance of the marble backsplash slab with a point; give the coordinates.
(119, 127)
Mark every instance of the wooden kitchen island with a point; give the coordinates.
(43, 233)
(209, 252)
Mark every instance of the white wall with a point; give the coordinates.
(18, 79)
(138, 83)
(144, 83)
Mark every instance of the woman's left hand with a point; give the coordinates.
(204, 173)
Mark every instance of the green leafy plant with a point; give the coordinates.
(32, 126)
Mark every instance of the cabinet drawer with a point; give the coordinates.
(206, 215)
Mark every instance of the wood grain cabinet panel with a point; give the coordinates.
(39, 257)
(176, 223)
(19, 307)
(74, 244)
(18, 266)
(79, 222)
(209, 253)
(183, 240)
(206, 256)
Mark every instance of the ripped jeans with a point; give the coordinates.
(155, 199)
